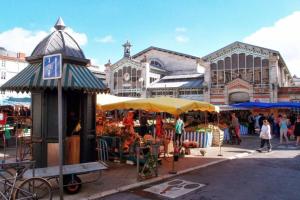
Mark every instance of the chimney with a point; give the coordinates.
(21, 56)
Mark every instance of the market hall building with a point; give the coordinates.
(242, 72)
(156, 72)
(239, 72)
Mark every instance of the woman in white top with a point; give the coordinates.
(265, 135)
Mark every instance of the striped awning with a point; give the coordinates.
(74, 77)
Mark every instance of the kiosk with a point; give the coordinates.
(79, 88)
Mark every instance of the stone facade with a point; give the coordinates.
(242, 72)
(236, 73)
(140, 75)
(176, 64)
(11, 63)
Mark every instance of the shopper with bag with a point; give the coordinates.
(179, 129)
(265, 136)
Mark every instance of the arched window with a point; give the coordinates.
(249, 68)
(155, 63)
(139, 79)
(134, 78)
(120, 79)
(115, 80)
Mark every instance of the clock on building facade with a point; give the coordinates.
(126, 76)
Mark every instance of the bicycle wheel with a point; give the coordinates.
(33, 188)
(6, 182)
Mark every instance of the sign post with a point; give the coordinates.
(52, 69)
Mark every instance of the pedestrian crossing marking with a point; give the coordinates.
(174, 188)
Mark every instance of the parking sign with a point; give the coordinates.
(52, 66)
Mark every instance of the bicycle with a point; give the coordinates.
(15, 188)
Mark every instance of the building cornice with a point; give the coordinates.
(166, 51)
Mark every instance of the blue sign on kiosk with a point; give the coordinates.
(52, 66)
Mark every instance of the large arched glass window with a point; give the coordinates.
(220, 72)
(265, 71)
(134, 78)
(115, 80)
(249, 68)
(139, 79)
(228, 69)
(120, 79)
(129, 73)
(155, 63)
(257, 70)
(213, 67)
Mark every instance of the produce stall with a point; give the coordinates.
(199, 134)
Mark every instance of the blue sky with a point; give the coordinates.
(194, 27)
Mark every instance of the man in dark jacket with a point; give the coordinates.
(251, 122)
(261, 120)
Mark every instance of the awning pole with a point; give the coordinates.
(60, 138)
(220, 145)
(173, 171)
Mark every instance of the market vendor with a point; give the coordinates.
(143, 124)
(159, 126)
(72, 124)
(128, 121)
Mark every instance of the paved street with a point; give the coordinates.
(263, 176)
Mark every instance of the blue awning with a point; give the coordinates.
(267, 105)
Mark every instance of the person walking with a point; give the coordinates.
(271, 122)
(257, 127)
(297, 131)
(179, 128)
(261, 120)
(283, 124)
(276, 126)
(265, 135)
(251, 122)
(236, 124)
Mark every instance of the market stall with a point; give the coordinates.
(199, 133)
(124, 135)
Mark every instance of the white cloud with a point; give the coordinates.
(95, 62)
(22, 40)
(105, 39)
(283, 36)
(181, 29)
(80, 38)
(182, 39)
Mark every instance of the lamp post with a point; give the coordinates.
(220, 145)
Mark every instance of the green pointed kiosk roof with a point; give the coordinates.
(75, 76)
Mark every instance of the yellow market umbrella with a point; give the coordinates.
(173, 106)
(104, 99)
